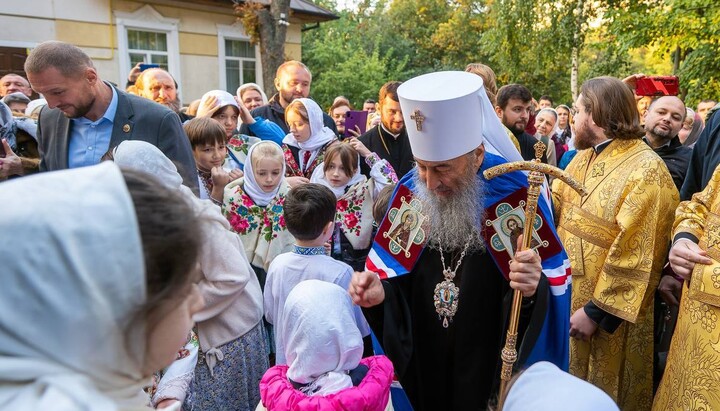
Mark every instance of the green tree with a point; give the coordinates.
(684, 32)
(266, 26)
(346, 57)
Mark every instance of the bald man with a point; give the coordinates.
(663, 121)
(14, 83)
(159, 86)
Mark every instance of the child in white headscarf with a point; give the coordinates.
(97, 290)
(355, 194)
(324, 369)
(222, 107)
(254, 206)
(233, 353)
(307, 141)
(544, 386)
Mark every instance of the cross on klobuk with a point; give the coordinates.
(419, 118)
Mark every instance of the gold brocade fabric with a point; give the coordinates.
(692, 375)
(617, 238)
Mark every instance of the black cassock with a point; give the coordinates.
(455, 368)
(397, 152)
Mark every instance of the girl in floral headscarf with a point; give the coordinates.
(355, 194)
(307, 141)
(253, 205)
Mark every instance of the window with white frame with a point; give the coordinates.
(145, 35)
(147, 47)
(240, 64)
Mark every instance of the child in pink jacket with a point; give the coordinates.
(325, 370)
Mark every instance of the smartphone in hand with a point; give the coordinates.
(657, 86)
(355, 118)
(145, 66)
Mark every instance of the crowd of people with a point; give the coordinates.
(244, 252)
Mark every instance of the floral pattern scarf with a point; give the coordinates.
(354, 214)
(262, 230)
(239, 145)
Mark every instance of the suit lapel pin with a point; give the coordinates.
(126, 128)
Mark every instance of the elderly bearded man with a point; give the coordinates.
(442, 323)
(617, 238)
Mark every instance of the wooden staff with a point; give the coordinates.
(536, 178)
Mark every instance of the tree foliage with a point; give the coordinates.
(527, 42)
(352, 57)
(264, 26)
(685, 32)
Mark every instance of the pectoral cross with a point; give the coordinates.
(418, 117)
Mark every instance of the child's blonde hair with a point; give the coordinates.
(266, 149)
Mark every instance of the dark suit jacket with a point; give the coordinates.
(136, 119)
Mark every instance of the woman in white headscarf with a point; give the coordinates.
(97, 289)
(251, 96)
(307, 141)
(233, 352)
(325, 370)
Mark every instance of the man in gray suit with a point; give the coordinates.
(85, 117)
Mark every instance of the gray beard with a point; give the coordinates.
(456, 221)
(174, 105)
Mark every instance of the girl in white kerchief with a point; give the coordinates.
(324, 368)
(97, 289)
(254, 206)
(307, 141)
(233, 354)
(355, 194)
(222, 107)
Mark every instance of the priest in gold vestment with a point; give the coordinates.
(692, 375)
(617, 238)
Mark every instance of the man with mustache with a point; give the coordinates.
(514, 108)
(617, 238)
(438, 313)
(389, 139)
(663, 121)
(159, 86)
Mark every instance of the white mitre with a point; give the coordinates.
(448, 114)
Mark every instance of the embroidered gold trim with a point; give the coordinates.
(710, 236)
(589, 227)
(629, 273)
(703, 284)
(632, 317)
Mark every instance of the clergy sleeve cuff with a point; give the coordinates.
(603, 319)
(689, 236)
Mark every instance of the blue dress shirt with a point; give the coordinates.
(90, 140)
